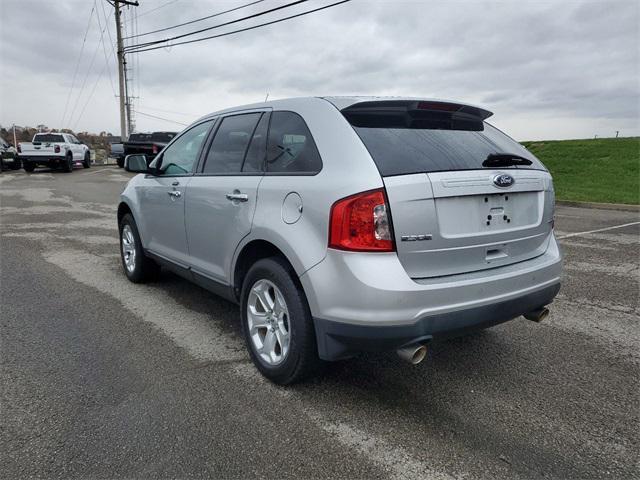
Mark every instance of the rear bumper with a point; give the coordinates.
(338, 340)
(368, 302)
(42, 160)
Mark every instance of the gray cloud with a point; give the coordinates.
(547, 69)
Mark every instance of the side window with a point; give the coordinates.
(230, 144)
(181, 155)
(291, 148)
(254, 160)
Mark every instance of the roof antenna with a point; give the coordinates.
(267, 97)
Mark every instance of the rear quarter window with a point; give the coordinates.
(291, 148)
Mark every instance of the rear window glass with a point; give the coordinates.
(48, 138)
(140, 137)
(433, 144)
(162, 137)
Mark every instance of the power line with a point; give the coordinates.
(157, 8)
(93, 91)
(193, 115)
(149, 48)
(104, 49)
(75, 73)
(160, 118)
(196, 20)
(111, 42)
(84, 81)
(195, 32)
(137, 59)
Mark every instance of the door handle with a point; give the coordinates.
(237, 197)
(176, 183)
(174, 194)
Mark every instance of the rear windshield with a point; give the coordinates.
(140, 137)
(400, 148)
(162, 137)
(48, 138)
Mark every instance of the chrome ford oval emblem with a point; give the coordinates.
(503, 180)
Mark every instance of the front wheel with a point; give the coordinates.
(137, 266)
(86, 163)
(277, 323)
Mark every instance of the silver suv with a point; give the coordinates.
(343, 225)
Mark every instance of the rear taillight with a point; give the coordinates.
(154, 149)
(56, 149)
(361, 223)
(19, 149)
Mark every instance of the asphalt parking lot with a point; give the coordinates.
(102, 378)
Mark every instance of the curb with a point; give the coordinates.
(603, 206)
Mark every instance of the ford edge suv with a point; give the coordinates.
(347, 224)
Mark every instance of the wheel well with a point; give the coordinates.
(123, 209)
(250, 254)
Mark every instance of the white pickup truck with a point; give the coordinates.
(54, 150)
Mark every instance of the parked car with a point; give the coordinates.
(149, 144)
(54, 150)
(343, 225)
(116, 150)
(8, 156)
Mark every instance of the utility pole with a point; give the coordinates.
(121, 67)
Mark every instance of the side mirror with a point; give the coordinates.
(136, 164)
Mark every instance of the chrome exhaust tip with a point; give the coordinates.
(413, 354)
(537, 315)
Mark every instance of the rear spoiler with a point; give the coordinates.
(416, 114)
(403, 106)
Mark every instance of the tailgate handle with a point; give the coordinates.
(495, 254)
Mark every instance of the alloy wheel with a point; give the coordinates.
(128, 248)
(268, 322)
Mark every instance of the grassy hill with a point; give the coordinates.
(600, 170)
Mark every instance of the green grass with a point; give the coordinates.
(602, 170)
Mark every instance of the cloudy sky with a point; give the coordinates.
(547, 69)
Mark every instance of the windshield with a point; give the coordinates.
(48, 138)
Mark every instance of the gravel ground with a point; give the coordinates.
(102, 378)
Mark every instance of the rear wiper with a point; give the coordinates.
(505, 160)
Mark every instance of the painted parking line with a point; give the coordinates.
(577, 234)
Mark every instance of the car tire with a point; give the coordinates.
(86, 163)
(28, 166)
(142, 269)
(120, 162)
(299, 354)
(67, 164)
(16, 165)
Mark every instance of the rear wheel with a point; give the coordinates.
(28, 166)
(16, 165)
(137, 266)
(86, 163)
(67, 163)
(277, 323)
(120, 162)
